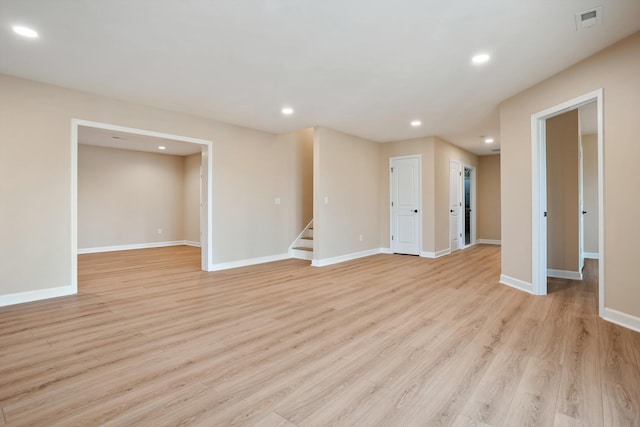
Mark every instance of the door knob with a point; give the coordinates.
(451, 210)
(415, 210)
(584, 212)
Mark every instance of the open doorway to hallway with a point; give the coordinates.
(559, 178)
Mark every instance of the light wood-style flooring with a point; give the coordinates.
(387, 340)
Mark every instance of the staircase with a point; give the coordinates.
(302, 247)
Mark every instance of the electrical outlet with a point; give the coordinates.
(361, 237)
(277, 200)
(159, 231)
(326, 200)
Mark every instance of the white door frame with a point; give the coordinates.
(539, 189)
(580, 200)
(472, 194)
(206, 222)
(460, 186)
(391, 159)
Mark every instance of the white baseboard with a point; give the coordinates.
(248, 262)
(135, 246)
(516, 283)
(622, 319)
(191, 243)
(37, 295)
(385, 251)
(564, 274)
(346, 257)
(489, 242)
(437, 254)
(591, 255)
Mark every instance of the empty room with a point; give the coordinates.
(294, 213)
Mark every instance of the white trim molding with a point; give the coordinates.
(249, 261)
(385, 251)
(516, 283)
(564, 274)
(191, 243)
(36, 295)
(135, 246)
(437, 254)
(622, 319)
(489, 242)
(347, 257)
(591, 255)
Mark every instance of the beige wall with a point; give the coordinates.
(191, 193)
(488, 195)
(297, 180)
(125, 196)
(590, 192)
(346, 172)
(562, 193)
(436, 154)
(35, 180)
(615, 70)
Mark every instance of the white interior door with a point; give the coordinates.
(455, 205)
(406, 207)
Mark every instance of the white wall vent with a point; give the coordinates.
(588, 18)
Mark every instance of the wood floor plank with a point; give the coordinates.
(492, 398)
(534, 402)
(579, 395)
(346, 408)
(385, 340)
(274, 420)
(449, 398)
(464, 421)
(552, 338)
(562, 420)
(619, 376)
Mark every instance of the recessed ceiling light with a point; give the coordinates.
(161, 147)
(287, 111)
(25, 32)
(480, 58)
(488, 140)
(416, 123)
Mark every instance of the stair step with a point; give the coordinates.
(307, 237)
(302, 248)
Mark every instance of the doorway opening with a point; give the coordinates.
(540, 212)
(469, 194)
(145, 137)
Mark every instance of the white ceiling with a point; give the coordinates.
(366, 67)
(131, 141)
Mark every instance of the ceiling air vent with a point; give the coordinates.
(496, 150)
(588, 18)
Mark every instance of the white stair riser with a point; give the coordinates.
(304, 243)
(301, 254)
